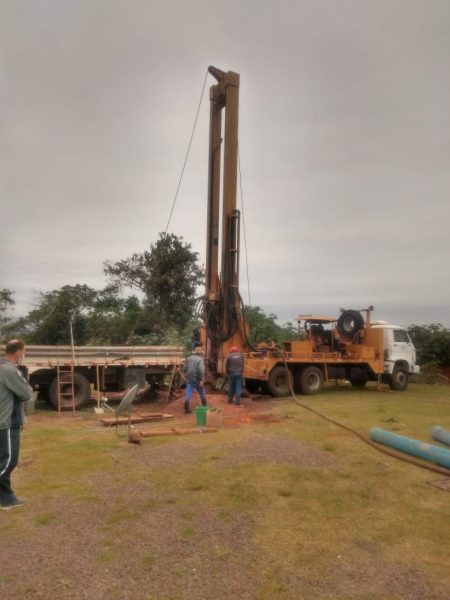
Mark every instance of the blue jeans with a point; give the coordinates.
(234, 387)
(194, 385)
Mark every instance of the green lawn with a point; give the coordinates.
(291, 510)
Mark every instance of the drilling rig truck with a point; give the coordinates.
(349, 347)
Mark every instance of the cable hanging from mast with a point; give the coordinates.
(243, 227)
(187, 153)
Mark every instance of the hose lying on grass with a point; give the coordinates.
(366, 440)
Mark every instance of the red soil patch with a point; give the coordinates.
(249, 412)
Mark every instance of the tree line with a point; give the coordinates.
(160, 310)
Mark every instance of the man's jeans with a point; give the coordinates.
(194, 385)
(235, 387)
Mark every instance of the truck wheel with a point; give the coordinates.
(350, 322)
(311, 381)
(280, 381)
(82, 390)
(399, 379)
(358, 378)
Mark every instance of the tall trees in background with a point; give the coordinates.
(264, 328)
(432, 343)
(49, 322)
(97, 317)
(6, 303)
(168, 275)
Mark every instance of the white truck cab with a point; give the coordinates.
(399, 355)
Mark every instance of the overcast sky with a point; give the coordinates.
(344, 137)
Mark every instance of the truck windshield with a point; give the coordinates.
(400, 335)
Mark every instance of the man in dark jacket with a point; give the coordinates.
(194, 368)
(234, 367)
(14, 392)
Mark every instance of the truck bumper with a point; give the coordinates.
(389, 368)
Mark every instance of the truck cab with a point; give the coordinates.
(399, 355)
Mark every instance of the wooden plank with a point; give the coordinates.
(443, 484)
(136, 436)
(136, 419)
(177, 431)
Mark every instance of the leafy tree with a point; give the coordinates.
(168, 274)
(111, 318)
(50, 320)
(6, 300)
(6, 303)
(432, 343)
(264, 328)
(98, 317)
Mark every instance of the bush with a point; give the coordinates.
(430, 373)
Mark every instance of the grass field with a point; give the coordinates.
(296, 509)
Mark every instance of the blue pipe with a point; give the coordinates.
(441, 435)
(435, 454)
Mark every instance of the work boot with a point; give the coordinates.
(15, 502)
(204, 403)
(187, 410)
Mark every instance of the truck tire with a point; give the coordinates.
(350, 322)
(280, 381)
(358, 377)
(398, 381)
(82, 389)
(311, 381)
(41, 379)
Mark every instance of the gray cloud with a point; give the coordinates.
(344, 144)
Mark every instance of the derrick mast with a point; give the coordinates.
(223, 320)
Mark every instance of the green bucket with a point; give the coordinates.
(200, 413)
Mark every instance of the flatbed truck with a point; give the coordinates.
(67, 376)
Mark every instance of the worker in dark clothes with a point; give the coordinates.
(194, 368)
(234, 367)
(14, 392)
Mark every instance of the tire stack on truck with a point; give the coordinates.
(97, 369)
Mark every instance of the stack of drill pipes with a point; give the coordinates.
(434, 454)
(441, 435)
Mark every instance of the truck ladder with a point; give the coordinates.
(65, 385)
